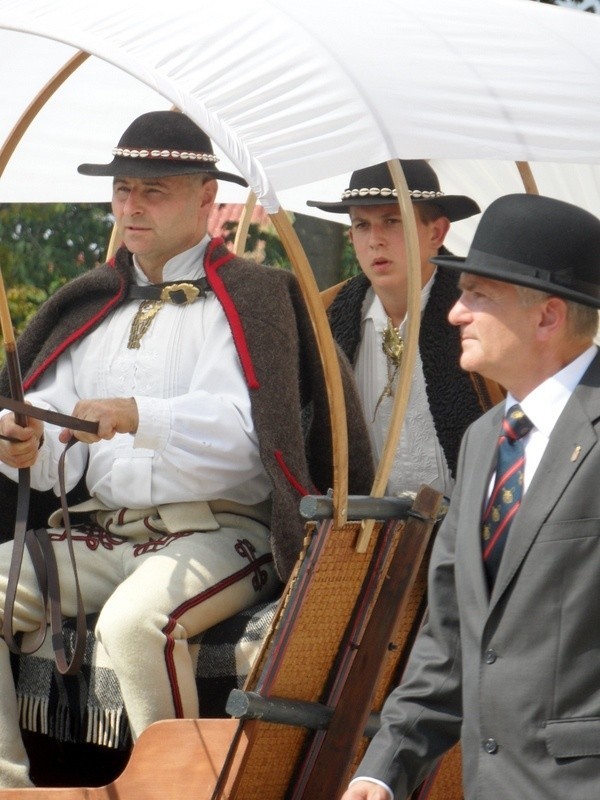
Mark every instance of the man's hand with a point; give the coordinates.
(115, 415)
(23, 450)
(365, 790)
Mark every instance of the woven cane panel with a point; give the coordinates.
(329, 585)
(446, 782)
(404, 633)
(271, 762)
(403, 636)
(259, 663)
(321, 621)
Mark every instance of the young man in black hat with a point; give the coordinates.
(368, 320)
(508, 659)
(196, 365)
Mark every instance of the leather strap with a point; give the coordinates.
(53, 417)
(177, 293)
(42, 555)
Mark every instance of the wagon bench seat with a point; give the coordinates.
(88, 707)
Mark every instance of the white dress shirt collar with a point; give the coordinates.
(546, 402)
(188, 265)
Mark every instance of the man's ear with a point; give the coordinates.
(438, 230)
(553, 316)
(209, 192)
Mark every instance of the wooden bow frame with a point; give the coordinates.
(198, 748)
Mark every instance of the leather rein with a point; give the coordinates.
(37, 541)
(42, 555)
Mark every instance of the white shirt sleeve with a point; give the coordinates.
(196, 437)
(374, 780)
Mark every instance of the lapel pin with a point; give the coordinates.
(575, 453)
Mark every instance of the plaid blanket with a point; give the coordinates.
(88, 707)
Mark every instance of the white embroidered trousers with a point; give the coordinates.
(153, 590)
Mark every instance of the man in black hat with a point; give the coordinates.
(196, 365)
(508, 659)
(368, 317)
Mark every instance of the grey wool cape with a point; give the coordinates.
(279, 356)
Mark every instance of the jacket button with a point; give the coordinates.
(490, 746)
(490, 656)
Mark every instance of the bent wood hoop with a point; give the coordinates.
(198, 749)
(413, 310)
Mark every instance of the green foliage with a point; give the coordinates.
(23, 302)
(45, 244)
(349, 265)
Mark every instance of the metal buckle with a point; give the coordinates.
(180, 293)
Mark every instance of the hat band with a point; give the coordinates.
(170, 155)
(414, 194)
(549, 280)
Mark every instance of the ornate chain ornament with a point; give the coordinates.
(146, 312)
(392, 345)
(176, 293)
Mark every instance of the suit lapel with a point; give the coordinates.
(570, 443)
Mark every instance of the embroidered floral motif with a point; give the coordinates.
(93, 535)
(246, 550)
(154, 545)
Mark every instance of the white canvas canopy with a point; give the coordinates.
(297, 93)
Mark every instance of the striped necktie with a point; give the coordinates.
(506, 495)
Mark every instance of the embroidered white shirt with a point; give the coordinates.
(419, 456)
(196, 438)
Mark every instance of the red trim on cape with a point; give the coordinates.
(73, 337)
(231, 312)
(219, 288)
(289, 476)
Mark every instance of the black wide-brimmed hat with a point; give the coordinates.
(538, 242)
(160, 144)
(374, 186)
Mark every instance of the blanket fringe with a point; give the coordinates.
(88, 707)
(104, 726)
(34, 713)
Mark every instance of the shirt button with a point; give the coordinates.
(490, 746)
(490, 656)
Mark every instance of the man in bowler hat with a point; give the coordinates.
(368, 318)
(507, 661)
(196, 365)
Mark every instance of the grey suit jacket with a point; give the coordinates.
(515, 676)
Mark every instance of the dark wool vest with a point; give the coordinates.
(276, 345)
(456, 398)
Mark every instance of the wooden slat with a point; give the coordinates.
(354, 702)
(171, 760)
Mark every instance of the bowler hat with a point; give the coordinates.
(538, 242)
(373, 186)
(160, 144)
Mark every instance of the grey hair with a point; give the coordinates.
(582, 321)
